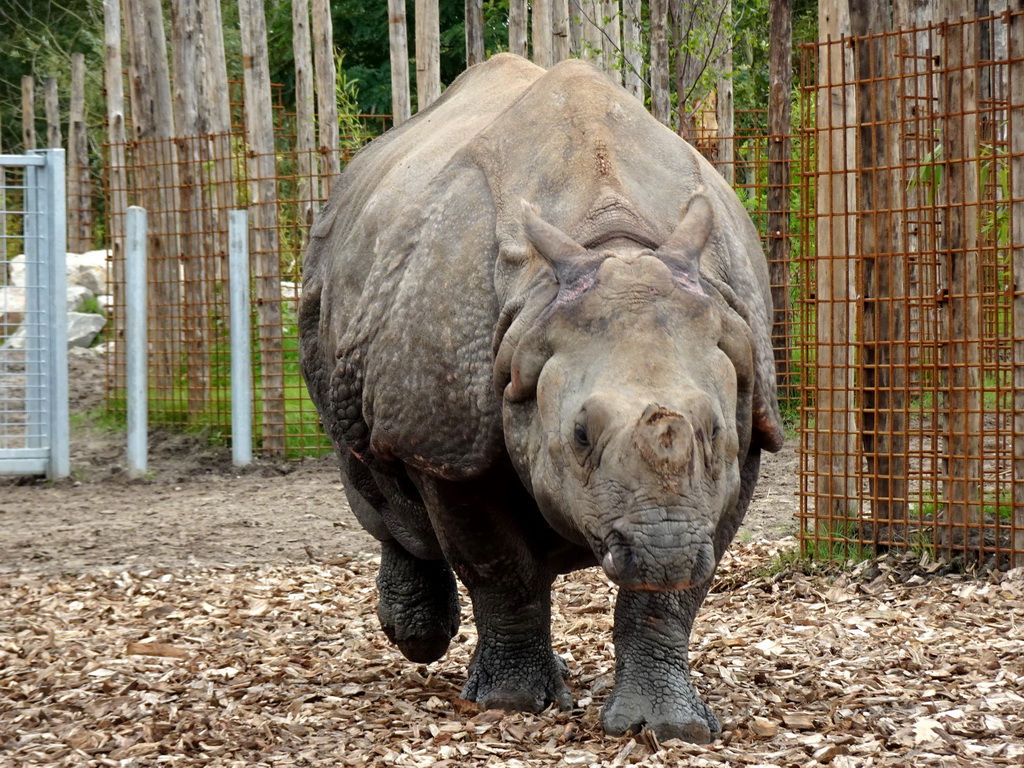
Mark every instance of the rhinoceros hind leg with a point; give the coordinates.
(652, 678)
(418, 603)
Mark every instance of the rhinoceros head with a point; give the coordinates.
(628, 385)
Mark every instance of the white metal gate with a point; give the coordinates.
(33, 315)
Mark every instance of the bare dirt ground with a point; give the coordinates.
(213, 616)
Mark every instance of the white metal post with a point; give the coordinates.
(136, 339)
(241, 346)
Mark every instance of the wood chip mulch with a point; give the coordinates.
(886, 664)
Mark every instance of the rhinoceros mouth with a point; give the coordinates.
(656, 566)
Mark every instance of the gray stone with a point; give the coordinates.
(83, 328)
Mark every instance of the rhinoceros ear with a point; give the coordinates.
(684, 246)
(567, 257)
(766, 424)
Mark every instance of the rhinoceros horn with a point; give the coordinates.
(684, 246)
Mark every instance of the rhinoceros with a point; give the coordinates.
(535, 326)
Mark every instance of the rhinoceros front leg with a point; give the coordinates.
(417, 603)
(514, 667)
(652, 677)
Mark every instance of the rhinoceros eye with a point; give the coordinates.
(579, 434)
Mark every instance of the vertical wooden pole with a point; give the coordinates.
(428, 53)
(188, 55)
(79, 183)
(305, 113)
(517, 18)
(28, 113)
(612, 38)
(835, 429)
(576, 21)
(883, 354)
(725, 144)
(543, 50)
(660, 105)
(259, 131)
(560, 30)
(117, 184)
(54, 137)
(780, 79)
(474, 32)
(632, 48)
(1015, 132)
(326, 96)
(153, 122)
(216, 119)
(400, 97)
(593, 32)
(218, 124)
(959, 268)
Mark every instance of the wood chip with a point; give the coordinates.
(282, 666)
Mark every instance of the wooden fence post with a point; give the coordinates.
(835, 429)
(560, 30)
(28, 113)
(188, 54)
(474, 32)
(611, 38)
(882, 326)
(632, 48)
(543, 43)
(724, 108)
(117, 182)
(79, 178)
(780, 77)
(153, 123)
(305, 114)
(961, 400)
(660, 106)
(259, 132)
(428, 53)
(517, 17)
(400, 96)
(326, 95)
(54, 137)
(1015, 130)
(218, 125)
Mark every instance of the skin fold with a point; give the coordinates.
(535, 325)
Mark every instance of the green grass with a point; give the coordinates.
(838, 543)
(303, 435)
(992, 506)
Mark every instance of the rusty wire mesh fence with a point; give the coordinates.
(188, 185)
(911, 302)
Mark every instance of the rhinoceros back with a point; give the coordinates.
(376, 216)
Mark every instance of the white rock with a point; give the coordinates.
(82, 328)
(78, 295)
(88, 269)
(16, 271)
(16, 340)
(12, 308)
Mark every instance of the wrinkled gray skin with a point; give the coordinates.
(534, 322)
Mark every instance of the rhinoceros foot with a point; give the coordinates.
(671, 715)
(418, 604)
(518, 682)
(652, 678)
